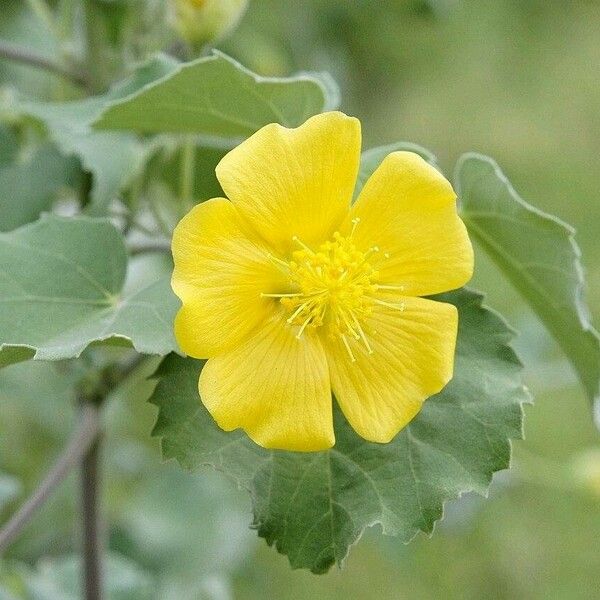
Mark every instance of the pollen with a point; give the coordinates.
(335, 287)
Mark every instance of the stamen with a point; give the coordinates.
(336, 288)
(303, 327)
(362, 334)
(390, 287)
(279, 262)
(298, 294)
(297, 311)
(347, 323)
(400, 306)
(301, 243)
(348, 348)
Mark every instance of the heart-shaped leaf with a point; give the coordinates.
(62, 288)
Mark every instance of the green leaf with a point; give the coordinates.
(22, 26)
(113, 158)
(30, 188)
(314, 506)
(373, 157)
(59, 578)
(216, 96)
(162, 522)
(62, 287)
(538, 254)
(8, 146)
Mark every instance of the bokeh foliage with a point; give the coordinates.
(516, 80)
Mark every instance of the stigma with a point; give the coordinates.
(333, 287)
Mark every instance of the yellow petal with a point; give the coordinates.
(274, 386)
(412, 359)
(221, 268)
(295, 182)
(408, 210)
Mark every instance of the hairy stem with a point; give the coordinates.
(81, 441)
(27, 57)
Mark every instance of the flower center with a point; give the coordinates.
(335, 288)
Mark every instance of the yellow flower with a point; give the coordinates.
(291, 293)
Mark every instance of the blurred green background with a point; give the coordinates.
(515, 79)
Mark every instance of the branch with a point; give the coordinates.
(81, 441)
(91, 534)
(27, 57)
(152, 246)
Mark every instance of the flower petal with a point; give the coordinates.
(408, 209)
(275, 386)
(413, 358)
(295, 182)
(221, 268)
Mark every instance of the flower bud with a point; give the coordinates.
(586, 471)
(199, 22)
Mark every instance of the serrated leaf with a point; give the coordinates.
(216, 96)
(372, 158)
(29, 188)
(538, 254)
(113, 158)
(314, 506)
(61, 289)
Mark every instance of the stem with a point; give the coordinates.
(27, 57)
(92, 539)
(163, 225)
(81, 440)
(188, 166)
(101, 65)
(154, 246)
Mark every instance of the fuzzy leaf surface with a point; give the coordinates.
(538, 254)
(314, 506)
(62, 289)
(217, 97)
